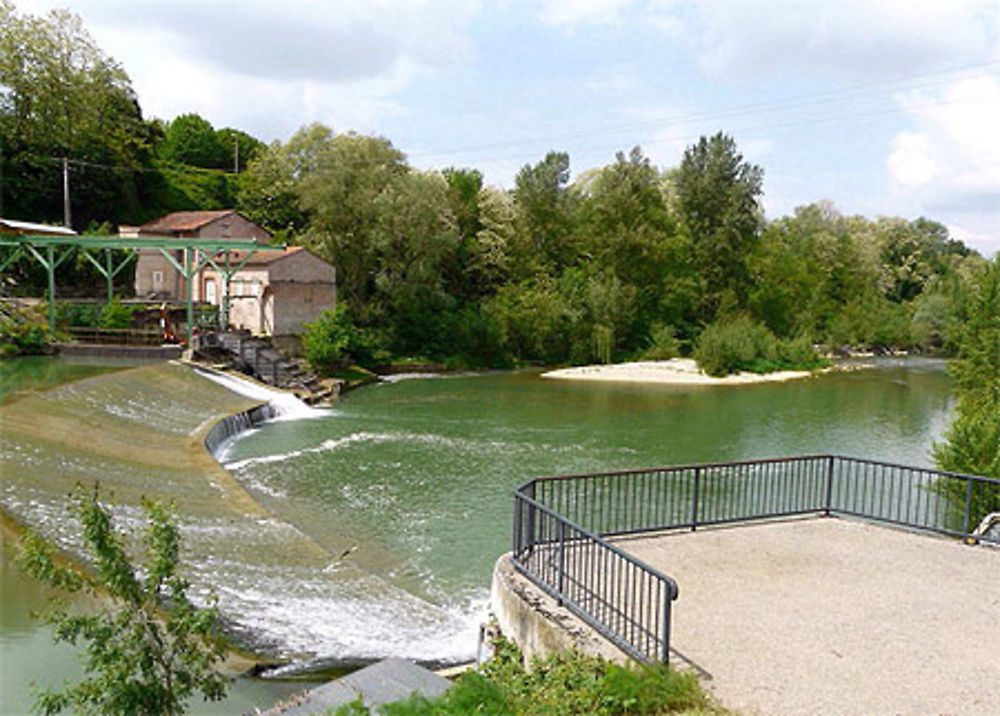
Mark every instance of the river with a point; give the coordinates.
(412, 478)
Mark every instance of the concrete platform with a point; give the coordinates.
(381, 683)
(831, 616)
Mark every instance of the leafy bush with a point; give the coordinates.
(663, 343)
(84, 315)
(325, 342)
(116, 315)
(740, 344)
(564, 683)
(152, 648)
(23, 331)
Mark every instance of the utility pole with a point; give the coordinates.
(236, 155)
(66, 212)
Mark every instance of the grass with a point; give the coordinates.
(562, 684)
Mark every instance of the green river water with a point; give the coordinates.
(414, 477)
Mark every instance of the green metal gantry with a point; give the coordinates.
(51, 251)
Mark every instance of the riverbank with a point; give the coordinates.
(676, 371)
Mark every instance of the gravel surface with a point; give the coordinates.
(831, 616)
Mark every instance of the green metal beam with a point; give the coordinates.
(147, 242)
(212, 248)
(109, 270)
(14, 256)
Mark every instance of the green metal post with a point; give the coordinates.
(110, 274)
(50, 265)
(188, 277)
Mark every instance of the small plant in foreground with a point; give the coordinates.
(150, 648)
(566, 683)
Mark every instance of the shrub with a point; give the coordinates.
(326, 341)
(663, 343)
(563, 683)
(23, 331)
(115, 315)
(740, 344)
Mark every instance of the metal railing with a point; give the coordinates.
(560, 524)
(116, 336)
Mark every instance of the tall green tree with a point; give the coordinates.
(545, 209)
(718, 203)
(151, 649)
(972, 440)
(191, 139)
(339, 192)
(62, 96)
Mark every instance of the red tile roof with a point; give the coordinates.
(183, 221)
(261, 258)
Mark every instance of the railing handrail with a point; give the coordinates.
(617, 508)
(751, 461)
(666, 578)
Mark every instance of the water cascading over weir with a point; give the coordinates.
(151, 432)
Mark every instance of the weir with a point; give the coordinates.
(148, 432)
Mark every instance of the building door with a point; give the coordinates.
(211, 296)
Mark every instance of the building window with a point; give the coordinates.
(157, 279)
(254, 289)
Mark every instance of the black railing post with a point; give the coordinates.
(516, 532)
(694, 499)
(829, 486)
(561, 564)
(966, 527)
(531, 519)
(666, 628)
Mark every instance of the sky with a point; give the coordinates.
(884, 107)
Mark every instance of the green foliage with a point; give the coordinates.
(972, 440)
(663, 343)
(116, 315)
(61, 96)
(562, 684)
(739, 344)
(326, 341)
(718, 197)
(150, 649)
(191, 139)
(23, 331)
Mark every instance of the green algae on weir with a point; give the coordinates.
(140, 433)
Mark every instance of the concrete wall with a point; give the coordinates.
(294, 304)
(148, 262)
(536, 623)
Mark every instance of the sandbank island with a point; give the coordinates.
(676, 371)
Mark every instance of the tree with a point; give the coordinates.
(61, 96)
(238, 148)
(191, 139)
(545, 210)
(717, 195)
(338, 181)
(150, 649)
(972, 440)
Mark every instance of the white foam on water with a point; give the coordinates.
(286, 405)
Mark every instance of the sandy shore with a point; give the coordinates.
(676, 371)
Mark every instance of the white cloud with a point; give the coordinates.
(949, 163)
(911, 162)
(269, 68)
(860, 37)
(569, 12)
